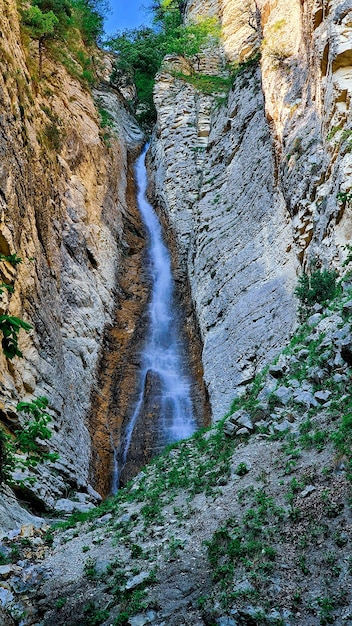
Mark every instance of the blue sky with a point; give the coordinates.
(126, 14)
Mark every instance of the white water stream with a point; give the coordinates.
(163, 349)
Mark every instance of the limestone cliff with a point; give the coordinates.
(250, 179)
(63, 210)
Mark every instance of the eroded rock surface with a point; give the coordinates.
(63, 211)
(256, 182)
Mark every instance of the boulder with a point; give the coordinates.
(283, 394)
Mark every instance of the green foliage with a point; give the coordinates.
(241, 469)
(106, 123)
(40, 25)
(28, 440)
(319, 287)
(90, 570)
(89, 19)
(11, 258)
(10, 327)
(344, 197)
(5, 286)
(246, 544)
(35, 428)
(93, 615)
(60, 20)
(206, 83)
(53, 130)
(141, 50)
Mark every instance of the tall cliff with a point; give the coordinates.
(63, 210)
(249, 178)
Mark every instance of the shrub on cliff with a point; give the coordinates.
(318, 287)
(24, 449)
(61, 20)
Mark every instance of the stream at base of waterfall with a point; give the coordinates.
(164, 387)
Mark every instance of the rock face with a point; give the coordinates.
(256, 182)
(63, 211)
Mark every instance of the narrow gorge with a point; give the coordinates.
(182, 314)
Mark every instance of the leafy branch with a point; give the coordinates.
(28, 441)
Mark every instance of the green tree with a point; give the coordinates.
(40, 26)
(89, 18)
(141, 50)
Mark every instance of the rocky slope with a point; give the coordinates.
(250, 178)
(246, 524)
(64, 211)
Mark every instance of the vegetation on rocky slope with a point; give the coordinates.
(248, 522)
(66, 30)
(140, 52)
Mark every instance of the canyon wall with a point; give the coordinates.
(63, 210)
(249, 178)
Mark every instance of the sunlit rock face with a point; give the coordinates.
(62, 208)
(250, 179)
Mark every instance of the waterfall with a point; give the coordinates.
(162, 365)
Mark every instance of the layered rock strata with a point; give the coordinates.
(63, 210)
(250, 179)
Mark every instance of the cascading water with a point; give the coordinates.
(162, 355)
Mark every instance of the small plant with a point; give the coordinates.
(343, 197)
(174, 546)
(11, 258)
(241, 469)
(10, 327)
(28, 441)
(325, 614)
(93, 615)
(319, 287)
(60, 603)
(89, 568)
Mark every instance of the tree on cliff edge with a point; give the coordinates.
(41, 26)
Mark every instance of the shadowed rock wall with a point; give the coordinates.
(63, 211)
